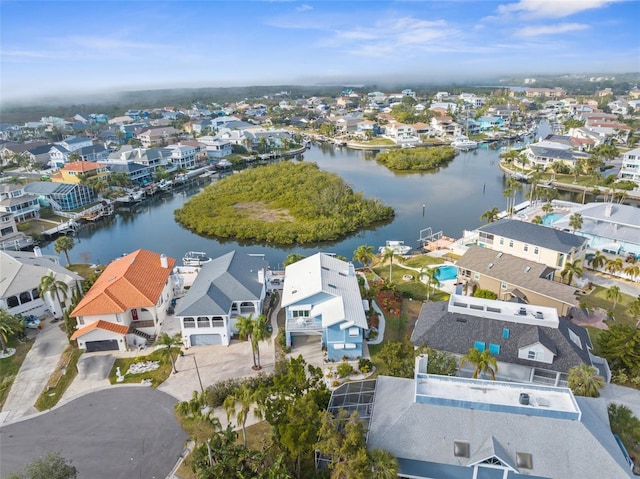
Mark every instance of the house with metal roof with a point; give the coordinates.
(226, 288)
(127, 304)
(20, 275)
(546, 153)
(549, 246)
(531, 343)
(514, 278)
(321, 296)
(441, 427)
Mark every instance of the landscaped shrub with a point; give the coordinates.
(281, 340)
(218, 392)
(485, 293)
(365, 365)
(344, 369)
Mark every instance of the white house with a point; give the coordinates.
(631, 165)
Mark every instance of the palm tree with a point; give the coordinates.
(429, 274)
(575, 221)
(585, 381)
(571, 269)
(547, 207)
(614, 266)
(483, 362)
(578, 169)
(363, 255)
(54, 287)
(9, 327)
(597, 260)
(633, 270)
(384, 465)
(243, 397)
(614, 294)
(63, 245)
(537, 220)
(171, 344)
(490, 215)
(255, 330)
(389, 254)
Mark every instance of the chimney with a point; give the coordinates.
(163, 261)
(261, 276)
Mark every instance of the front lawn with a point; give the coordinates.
(157, 376)
(10, 366)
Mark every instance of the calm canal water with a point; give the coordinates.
(454, 198)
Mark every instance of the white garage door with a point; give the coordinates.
(206, 339)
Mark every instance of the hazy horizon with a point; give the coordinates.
(75, 50)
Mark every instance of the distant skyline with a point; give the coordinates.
(78, 48)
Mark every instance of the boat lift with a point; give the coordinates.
(428, 236)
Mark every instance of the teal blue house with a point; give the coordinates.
(321, 297)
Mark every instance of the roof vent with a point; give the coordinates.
(524, 460)
(527, 269)
(490, 265)
(461, 448)
(499, 255)
(524, 399)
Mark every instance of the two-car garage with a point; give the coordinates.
(205, 339)
(104, 345)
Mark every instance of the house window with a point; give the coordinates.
(532, 355)
(494, 349)
(300, 314)
(479, 345)
(118, 317)
(503, 285)
(501, 240)
(189, 323)
(505, 333)
(526, 247)
(510, 243)
(354, 332)
(476, 276)
(80, 320)
(203, 322)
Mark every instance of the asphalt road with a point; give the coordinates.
(122, 432)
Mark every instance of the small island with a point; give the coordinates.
(283, 203)
(416, 159)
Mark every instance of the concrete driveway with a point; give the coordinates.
(35, 371)
(123, 432)
(93, 374)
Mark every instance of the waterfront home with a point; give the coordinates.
(21, 272)
(96, 153)
(216, 149)
(490, 123)
(158, 136)
(514, 278)
(551, 247)
(40, 154)
(182, 156)
(441, 427)
(400, 133)
(226, 288)
(75, 171)
(138, 174)
(152, 158)
(445, 126)
(74, 143)
(531, 343)
(321, 296)
(631, 166)
(17, 200)
(61, 196)
(10, 237)
(127, 304)
(546, 153)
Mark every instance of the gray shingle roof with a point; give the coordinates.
(228, 278)
(555, 153)
(524, 274)
(442, 330)
(543, 236)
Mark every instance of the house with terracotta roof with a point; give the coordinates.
(72, 172)
(126, 306)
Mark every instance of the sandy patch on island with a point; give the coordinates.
(261, 212)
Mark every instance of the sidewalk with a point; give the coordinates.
(40, 362)
(607, 281)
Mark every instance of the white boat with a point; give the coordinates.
(195, 258)
(398, 247)
(464, 143)
(224, 164)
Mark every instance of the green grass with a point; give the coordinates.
(83, 269)
(157, 376)
(378, 141)
(62, 377)
(9, 367)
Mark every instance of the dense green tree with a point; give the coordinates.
(363, 255)
(54, 287)
(620, 346)
(9, 327)
(255, 330)
(614, 266)
(64, 244)
(398, 358)
(292, 258)
(571, 269)
(575, 221)
(584, 380)
(614, 294)
(490, 215)
(624, 424)
(384, 465)
(482, 361)
(50, 466)
(239, 405)
(596, 260)
(416, 159)
(170, 344)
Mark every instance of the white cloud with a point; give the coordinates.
(551, 8)
(538, 30)
(304, 7)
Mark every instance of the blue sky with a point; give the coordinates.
(93, 46)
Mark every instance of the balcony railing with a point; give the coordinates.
(304, 324)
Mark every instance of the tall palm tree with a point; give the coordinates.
(547, 207)
(9, 327)
(255, 330)
(171, 344)
(54, 287)
(490, 215)
(483, 362)
(245, 330)
(633, 270)
(537, 220)
(389, 254)
(429, 275)
(614, 294)
(597, 260)
(242, 398)
(363, 255)
(614, 266)
(585, 381)
(575, 221)
(571, 269)
(63, 245)
(384, 465)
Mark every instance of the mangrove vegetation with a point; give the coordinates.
(416, 159)
(283, 203)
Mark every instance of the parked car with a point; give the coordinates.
(31, 322)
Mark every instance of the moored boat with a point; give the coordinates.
(464, 143)
(195, 258)
(398, 247)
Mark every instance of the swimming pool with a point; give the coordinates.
(551, 218)
(444, 273)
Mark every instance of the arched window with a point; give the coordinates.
(35, 294)
(12, 301)
(25, 297)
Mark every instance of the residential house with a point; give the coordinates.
(631, 166)
(183, 156)
(73, 143)
(60, 196)
(226, 288)
(216, 148)
(95, 153)
(121, 120)
(445, 126)
(448, 108)
(138, 174)
(9, 131)
(549, 246)
(74, 171)
(530, 343)
(401, 133)
(131, 130)
(514, 278)
(321, 296)
(127, 304)
(10, 237)
(442, 427)
(17, 200)
(9, 151)
(346, 124)
(609, 227)
(58, 156)
(158, 136)
(152, 158)
(21, 272)
(546, 153)
(490, 123)
(40, 154)
(545, 92)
